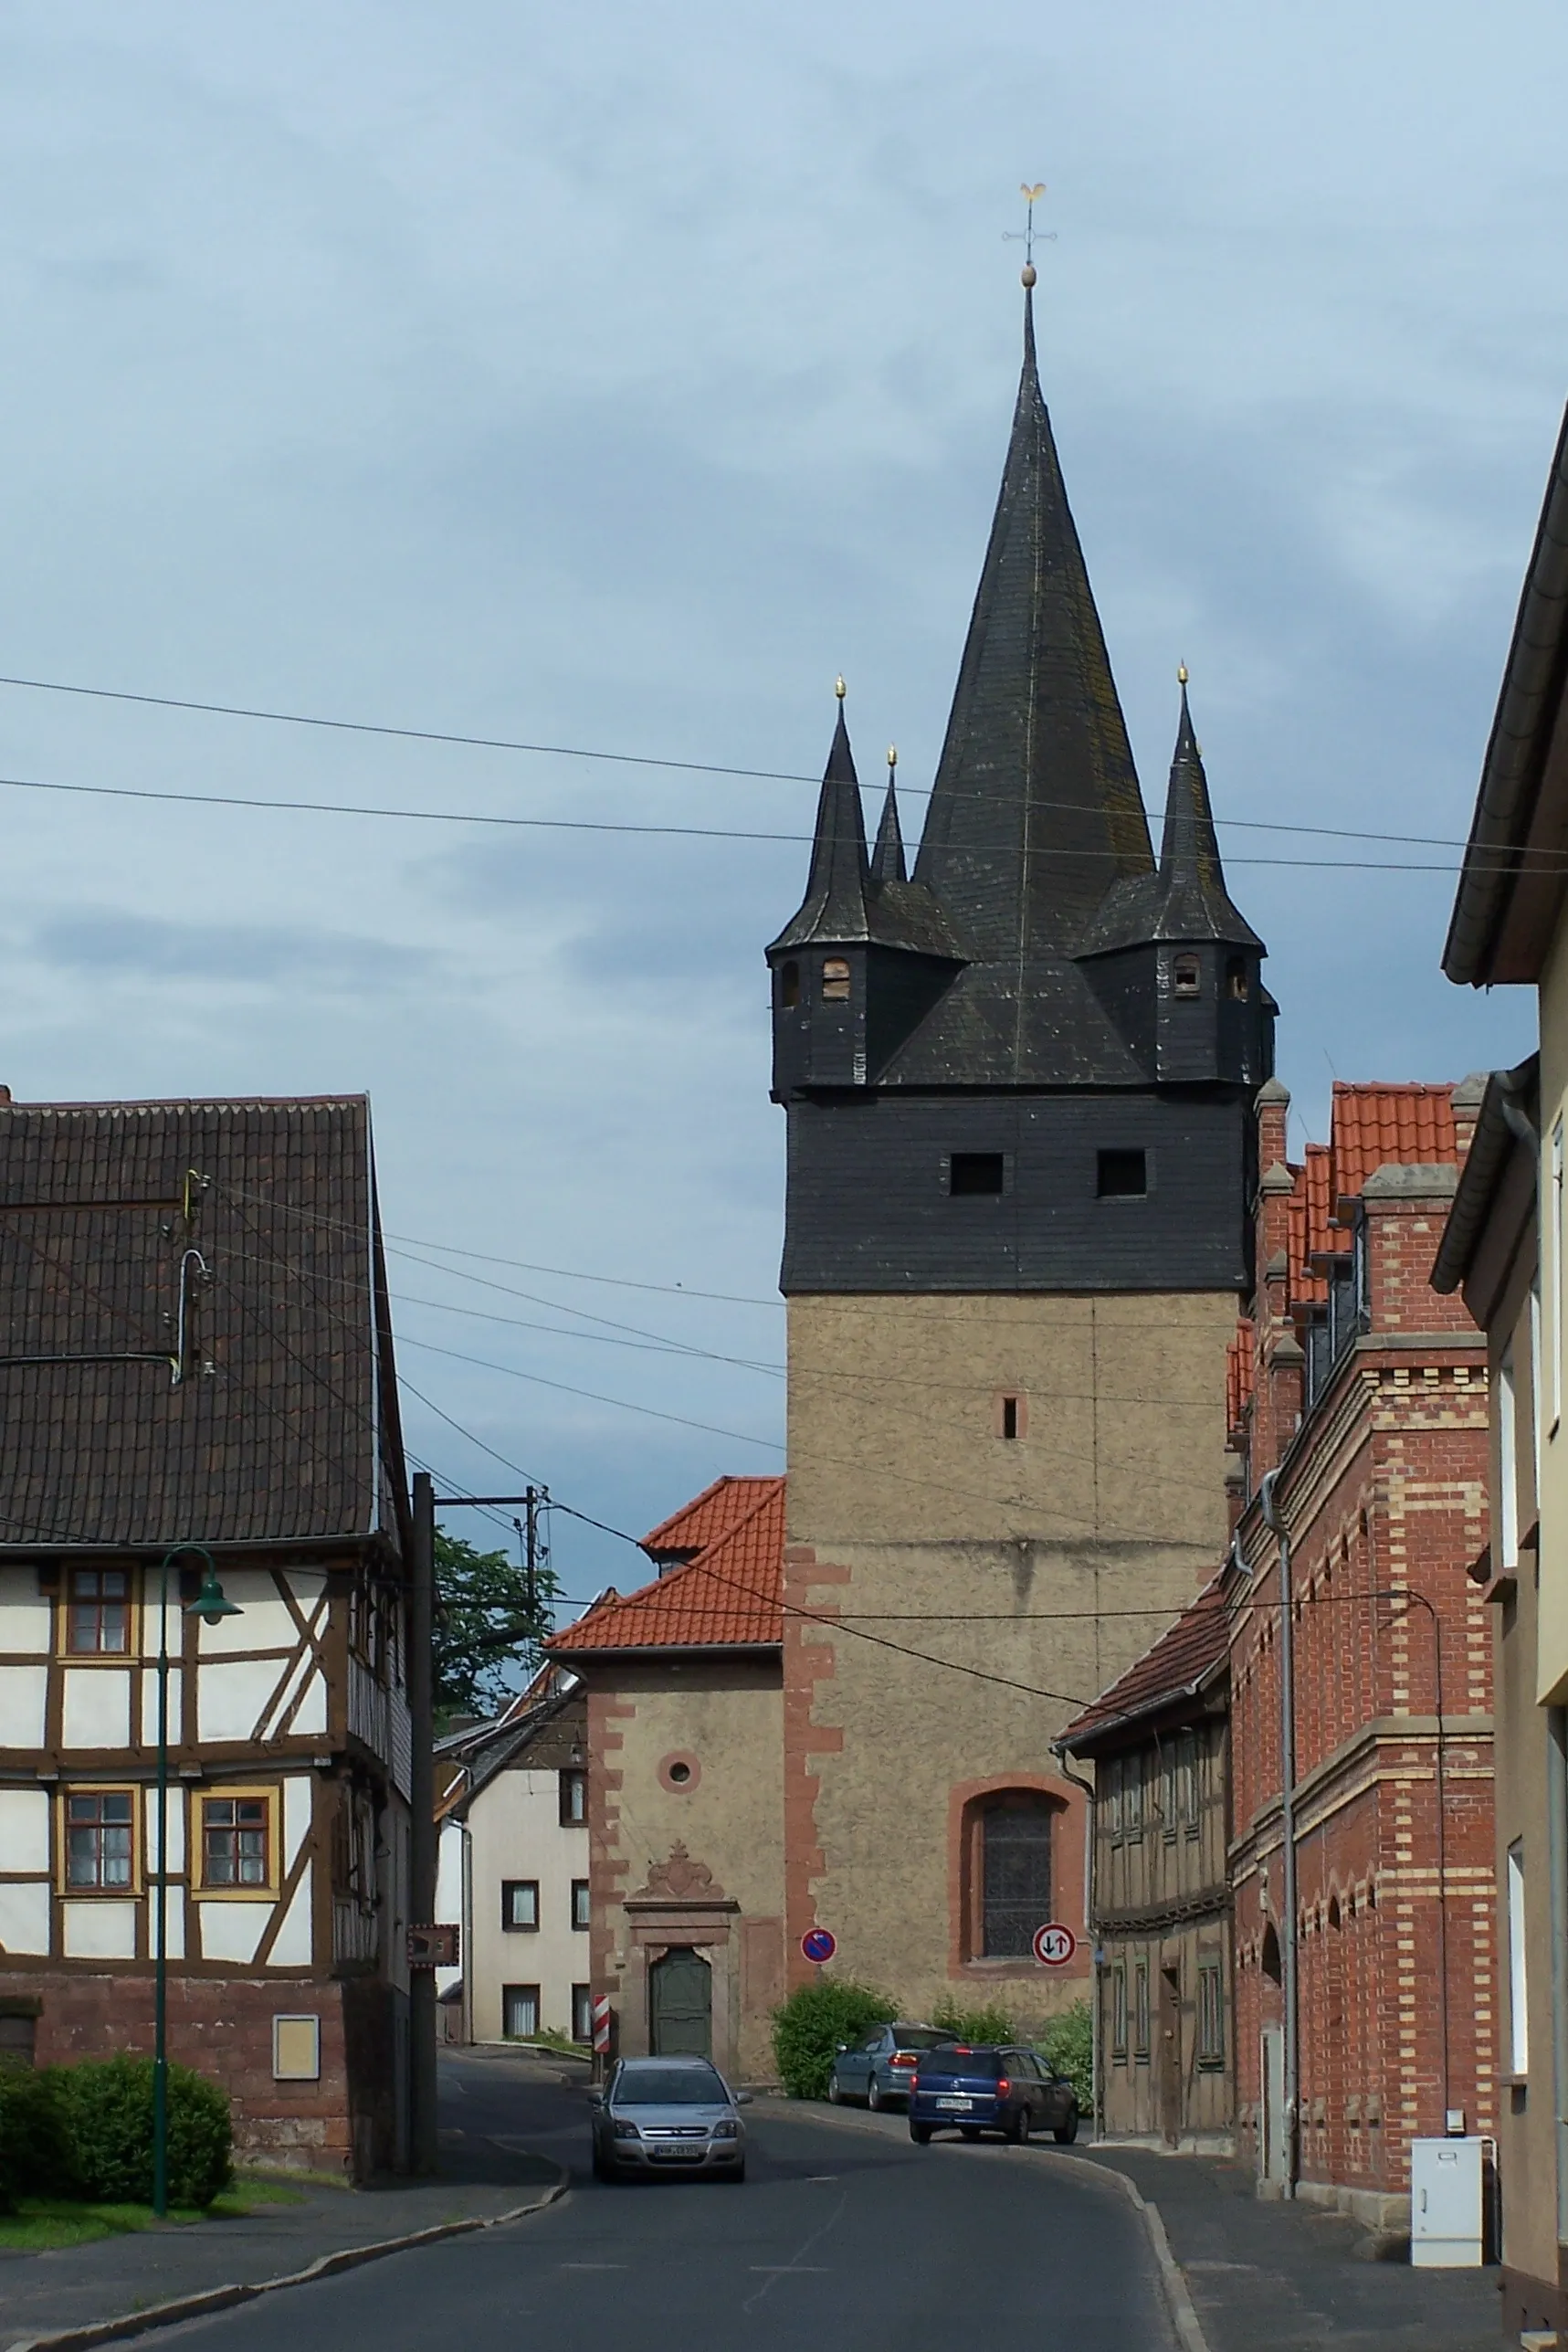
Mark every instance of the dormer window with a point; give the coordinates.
(1186, 976)
(1237, 982)
(789, 987)
(835, 981)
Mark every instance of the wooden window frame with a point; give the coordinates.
(582, 2012)
(1132, 1800)
(506, 2034)
(1211, 2015)
(1119, 2013)
(1140, 2021)
(132, 1654)
(196, 1841)
(574, 1774)
(1112, 1798)
(580, 1886)
(137, 1887)
(509, 1925)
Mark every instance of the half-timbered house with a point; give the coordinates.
(197, 1385)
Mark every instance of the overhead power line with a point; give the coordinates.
(576, 751)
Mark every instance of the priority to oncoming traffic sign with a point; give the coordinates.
(1054, 1944)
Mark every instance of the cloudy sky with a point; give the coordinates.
(613, 378)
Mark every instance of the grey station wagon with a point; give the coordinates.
(667, 2114)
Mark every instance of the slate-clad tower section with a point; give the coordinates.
(1040, 995)
(1018, 1089)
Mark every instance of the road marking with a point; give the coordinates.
(792, 2270)
(821, 2176)
(593, 2266)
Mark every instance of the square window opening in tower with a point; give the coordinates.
(1122, 1175)
(969, 1173)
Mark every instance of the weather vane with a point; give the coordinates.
(1031, 197)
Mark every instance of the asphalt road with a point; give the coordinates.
(844, 2237)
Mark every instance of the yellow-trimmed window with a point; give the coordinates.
(237, 1843)
(100, 1841)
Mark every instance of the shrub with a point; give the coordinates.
(815, 2020)
(106, 2106)
(1067, 2047)
(34, 2158)
(991, 2023)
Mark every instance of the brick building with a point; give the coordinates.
(1359, 1406)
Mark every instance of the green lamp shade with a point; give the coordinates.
(212, 1603)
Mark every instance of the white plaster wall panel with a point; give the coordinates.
(24, 1829)
(175, 1925)
(100, 1931)
(174, 1834)
(266, 1623)
(449, 1894)
(296, 1815)
(23, 1691)
(26, 1621)
(150, 1708)
(176, 1631)
(231, 1931)
(517, 1832)
(96, 1707)
(231, 1695)
(24, 1919)
(293, 1949)
(312, 1712)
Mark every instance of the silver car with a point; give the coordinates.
(667, 2114)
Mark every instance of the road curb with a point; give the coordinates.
(214, 2299)
(1184, 2314)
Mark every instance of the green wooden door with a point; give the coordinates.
(680, 2006)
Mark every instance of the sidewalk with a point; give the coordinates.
(1291, 2277)
(118, 2278)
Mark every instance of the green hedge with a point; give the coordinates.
(990, 2023)
(87, 2131)
(809, 2027)
(1067, 2044)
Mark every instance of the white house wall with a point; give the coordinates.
(24, 1692)
(97, 1710)
(24, 1919)
(516, 1832)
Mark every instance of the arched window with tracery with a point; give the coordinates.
(1009, 1839)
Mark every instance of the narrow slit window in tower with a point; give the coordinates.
(789, 987)
(973, 1172)
(1122, 1175)
(1237, 983)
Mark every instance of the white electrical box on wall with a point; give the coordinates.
(1446, 2209)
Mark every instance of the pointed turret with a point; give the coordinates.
(833, 911)
(888, 856)
(1192, 900)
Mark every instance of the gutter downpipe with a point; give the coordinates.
(1273, 1521)
(1089, 1843)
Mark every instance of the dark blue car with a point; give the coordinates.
(993, 2088)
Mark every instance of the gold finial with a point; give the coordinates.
(892, 755)
(1180, 673)
(841, 689)
(1031, 197)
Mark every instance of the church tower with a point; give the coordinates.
(1018, 1089)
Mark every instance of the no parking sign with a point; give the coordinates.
(820, 1945)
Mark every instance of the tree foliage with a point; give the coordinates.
(990, 2022)
(488, 1625)
(1067, 2046)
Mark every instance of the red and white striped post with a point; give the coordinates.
(601, 2031)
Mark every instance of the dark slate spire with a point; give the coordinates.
(833, 911)
(1191, 898)
(888, 856)
(1035, 813)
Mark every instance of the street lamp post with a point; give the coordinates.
(211, 1606)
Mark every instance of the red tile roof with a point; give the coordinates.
(708, 1516)
(1374, 1125)
(1238, 1370)
(1181, 1658)
(729, 1596)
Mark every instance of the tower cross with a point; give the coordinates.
(1031, 197)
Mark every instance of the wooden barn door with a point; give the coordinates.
(680, 2005)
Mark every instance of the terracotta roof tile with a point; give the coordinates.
(708, 1515)
(730, 1596)
(1238, 1370)
(1182, 1655)
(1375, 1125)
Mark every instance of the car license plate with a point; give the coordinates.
(678, 2154)
(966, 2104)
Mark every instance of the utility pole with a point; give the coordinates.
(422, 2130)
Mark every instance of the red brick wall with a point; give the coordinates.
(1383, 1490)
(223, 2027)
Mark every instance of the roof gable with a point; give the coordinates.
(1185, 1657)
(731, 1596)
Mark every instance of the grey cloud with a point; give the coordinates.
(105, 942)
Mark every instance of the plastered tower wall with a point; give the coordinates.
(1050, 1560)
